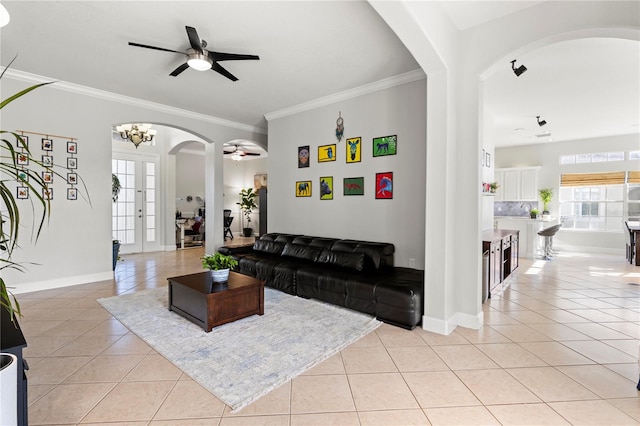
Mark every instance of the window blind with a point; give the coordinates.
(633, 177)
(592, 179)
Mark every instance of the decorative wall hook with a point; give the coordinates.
(339, 126)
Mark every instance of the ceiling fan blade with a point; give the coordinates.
(154, 47)
(251, 153)
(194, 40)
(178, 70)
(221, 56)
(219, 69)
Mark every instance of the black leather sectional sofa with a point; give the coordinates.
(355, 274)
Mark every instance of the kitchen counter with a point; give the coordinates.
(502, 248)
(529, 228)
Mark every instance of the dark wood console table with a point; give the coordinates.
(504, 249)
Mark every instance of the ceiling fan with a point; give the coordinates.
(201, 59)
(238, 152)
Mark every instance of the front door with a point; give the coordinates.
(134, 214)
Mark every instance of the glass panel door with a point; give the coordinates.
(134, 213)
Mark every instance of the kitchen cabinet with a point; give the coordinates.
(503, 248)
(517, 184)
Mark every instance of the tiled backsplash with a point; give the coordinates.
(514, 208)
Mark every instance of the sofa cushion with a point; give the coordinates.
(270, 247)
(343, 259)
(301, 251)
(376, 254)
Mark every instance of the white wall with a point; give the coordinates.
(75, 247)
(548, 155)
(397, 111)
(189, 180)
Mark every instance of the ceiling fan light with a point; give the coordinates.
(4, 16)
(236, 156)
(198, 61)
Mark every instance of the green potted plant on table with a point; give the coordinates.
(247, 204)
(493, 186)
(219, 265)
(546, 194)
(534, 213)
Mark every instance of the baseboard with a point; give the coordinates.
(474, 322)
(445, 328)
(61, 282)
(563, 248)
(436, 325)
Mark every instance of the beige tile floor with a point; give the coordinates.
(559, 346)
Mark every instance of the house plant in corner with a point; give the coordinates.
(247, 204)
(219, 265)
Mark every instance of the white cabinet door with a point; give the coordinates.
(529, 185)
(499, 177)
(510, 186)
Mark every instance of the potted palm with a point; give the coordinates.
(29, 177)
(546, 194)
(247, 204)
(219, 265)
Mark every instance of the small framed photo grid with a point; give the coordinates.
(47, 177)
(47, 144)
(22, 142)
(72, 163)
(72, 147)
(23, 159)
(22, 192)
(47, 193)
(47, 160)
(23, 176)
(72, 193)
(72, 178)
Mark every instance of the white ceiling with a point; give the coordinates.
(308, 50)
(583, 88)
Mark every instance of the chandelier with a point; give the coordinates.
(136, 133)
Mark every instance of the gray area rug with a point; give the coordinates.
(241, 361)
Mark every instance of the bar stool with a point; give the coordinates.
(630, 243)
(548, 234)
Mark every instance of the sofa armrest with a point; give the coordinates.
(235, 249)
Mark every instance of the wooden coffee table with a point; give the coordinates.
(209, 305)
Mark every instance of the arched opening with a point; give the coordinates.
(170, 180)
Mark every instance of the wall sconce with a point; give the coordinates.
(540, 122)
(518, 71)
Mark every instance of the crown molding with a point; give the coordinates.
(128, 100)
(376, 86)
